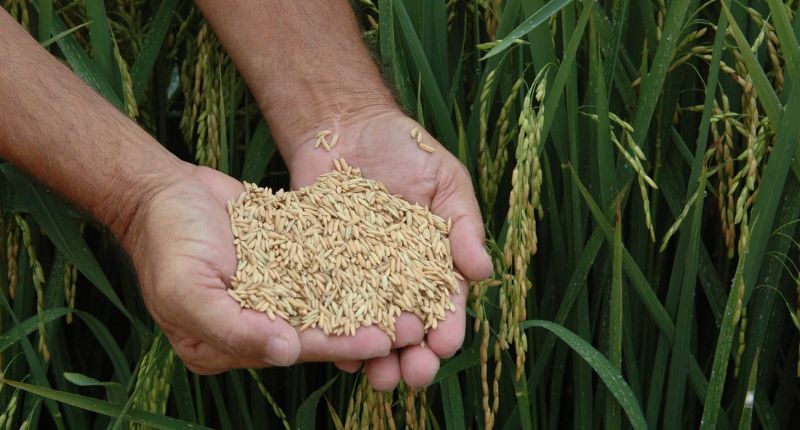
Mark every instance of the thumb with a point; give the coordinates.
(456, 200)
(244, 333)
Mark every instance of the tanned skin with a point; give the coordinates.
(306, 65)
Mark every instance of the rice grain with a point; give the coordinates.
(341, 254)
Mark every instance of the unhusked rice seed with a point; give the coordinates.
(427, 148)
(340, 254)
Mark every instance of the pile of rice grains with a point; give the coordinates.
(340, 254)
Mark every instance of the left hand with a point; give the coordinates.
(377, 140)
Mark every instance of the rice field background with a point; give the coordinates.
(636, 163)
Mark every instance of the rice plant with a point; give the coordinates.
(635, 161)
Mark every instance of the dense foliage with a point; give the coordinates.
(636, 165)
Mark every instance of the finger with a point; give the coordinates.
(418, 365)
(448, 335)
(409, 330)
(203, 359)
(455, 199)
(368, 342)
(383, 373)
(238, 332)
(348, 366)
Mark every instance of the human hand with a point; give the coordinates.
(377, 140)
(181, 245)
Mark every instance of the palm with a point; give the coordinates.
(382, 147)
(185, 256)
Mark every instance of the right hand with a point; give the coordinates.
(181, 244)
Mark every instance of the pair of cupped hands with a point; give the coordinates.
(181, 245)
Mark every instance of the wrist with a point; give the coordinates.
(316, 106)
(131, 194)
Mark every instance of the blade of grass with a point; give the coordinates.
(576, 283)
(766, 94)
(432, 93)
(746, 422)
(676, 387)
(607, 181)
(81, 64)
(50, 214)
(182, 394)
(612, 48)
(24, 328)
(532, 22)
(243, 413)
(63, 34)
(104, 407)
(615, 321)
(305, 417)
(45, 19)
(35, 364)
(100, 41)
(392, 59)
(653, 81)
(642, 288)
(564, 70)
(466, 359)
(109, 345)
(763, 214)
(151, 47)
(434, 38)
(115, 392)
(789, 44)
(219, 403)
(452, 403)
(258, 153)
(605, 370)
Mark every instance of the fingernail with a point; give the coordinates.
(278, 351)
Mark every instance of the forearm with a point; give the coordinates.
(58, 130)
(304, 60)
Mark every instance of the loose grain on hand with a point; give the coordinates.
(340, 254)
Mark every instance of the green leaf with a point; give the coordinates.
(28, 326)
(35, 364)
(452, 403)
(114, 390)
(610, 376)
(431, 90)
(260, 150)
(51, 215)
(466, 359)
(766, 94)
(642, 286)
(81, 64)
(761, 227)
(789, 44)
(104, 407)
(109, 344)
(63, 34)
(157, 32)
(653, 81)
(305, 417)
(681, 353)
(392, 59)
(528, 25)
(100, 40)
(615, 319)
(45, 19)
